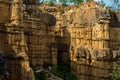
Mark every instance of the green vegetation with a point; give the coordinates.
(63, 71)
(40, 75)
(115, 4)
(50, 2)
(116, 71)
(62, 11)
(76, 1)
(64, 2)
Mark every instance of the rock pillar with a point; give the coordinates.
(18, 60)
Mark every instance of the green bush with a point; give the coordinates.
(71, 76)
(63, 71)
(62, 11)
(51, 3)
(40, 76)
(116, 71)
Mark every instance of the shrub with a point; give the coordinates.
(63, 71)
(62, 11)
(116, 71)
(40, 76)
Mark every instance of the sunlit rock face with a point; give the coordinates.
(13, 43)
(87, 36)
(91, 32)
(26, 38)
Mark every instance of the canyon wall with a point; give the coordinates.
(86, 35)
(26, 38)
(91, 33)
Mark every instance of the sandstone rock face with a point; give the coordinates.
(4, 8)
(18, 58)
(16, 11)
(13, 41)
(87, 36)
(92, 37)
(26, 37)
(38, 37)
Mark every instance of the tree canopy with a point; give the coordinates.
(64, 1)
(76, 1)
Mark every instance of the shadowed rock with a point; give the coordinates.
(116, 54)
(48, 19)
(101, 55)
(83, 53)
(29, 2)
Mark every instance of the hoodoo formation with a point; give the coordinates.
(86, 36)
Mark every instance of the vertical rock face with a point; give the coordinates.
(16, 11)
(39, 36)
(15, 45)
(92, 40)
(18, 59)
(39, 32)
(87, 36)
(26, 38)
(20, 69)
(4, 8)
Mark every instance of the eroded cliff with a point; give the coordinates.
(86, 35)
